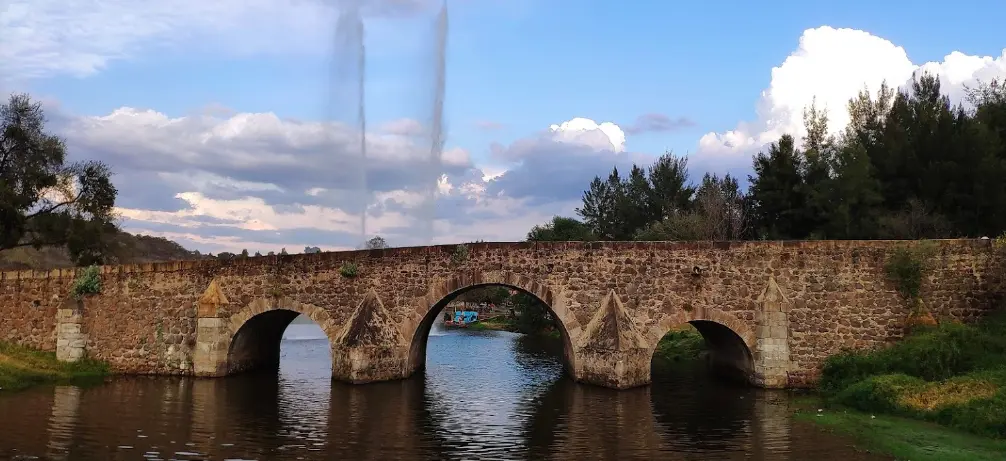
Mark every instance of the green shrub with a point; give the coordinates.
(681, 345)
(459, 255)
(88, 282)
(349, 270)
(942, 352)
(907, 267)
(879, 394)
(953, 374)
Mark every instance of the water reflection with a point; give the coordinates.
(484, 395)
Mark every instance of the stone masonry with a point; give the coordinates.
(71, 338)
(772, 311)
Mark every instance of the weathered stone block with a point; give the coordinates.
(367, 364)
(618, 369)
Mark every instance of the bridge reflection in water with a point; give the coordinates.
(509, 400)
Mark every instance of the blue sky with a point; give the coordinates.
(725, 76)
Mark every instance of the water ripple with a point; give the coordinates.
(484, 395)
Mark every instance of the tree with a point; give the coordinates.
(617, 209)
(45, 201)
(718, 212)
(777, 192)
(561, 229)
(817, 158)
(634, 203)
(669, 189)
(282, 251)
(244, 253)
(599, 209)
(311, 250)
(376, 243)
(533, 316)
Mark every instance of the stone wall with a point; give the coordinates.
(790, 303)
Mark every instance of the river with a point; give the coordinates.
(484, 395)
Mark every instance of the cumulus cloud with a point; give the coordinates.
(833, 65)
(80, 37)
(586, 132)
(556, 165)
(222, 181)
(658, 123)
(219, 180)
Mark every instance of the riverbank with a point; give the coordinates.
(939, 394)
(903, 438)
(21, 368)
(505, 324)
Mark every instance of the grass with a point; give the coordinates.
(22, 367)
(952, 375)
(683, 344)
(505, 324)
(903, 438)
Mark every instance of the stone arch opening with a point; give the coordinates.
(728, 342)
(257, 333)
(443, 294)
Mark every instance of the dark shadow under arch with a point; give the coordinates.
(729, 357)
(417, 350)
(727, 354)
(256, 345)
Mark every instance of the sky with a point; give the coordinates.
(231, 124)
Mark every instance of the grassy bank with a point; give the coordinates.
(505, 324)
(903, 438)
(21, 367)
(938, 394)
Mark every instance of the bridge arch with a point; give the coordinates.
(255, 332)
(730, 340)
(442, 291)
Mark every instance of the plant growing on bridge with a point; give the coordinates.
(88, 282)
(907, 267)
(349, 269)
(459, 255)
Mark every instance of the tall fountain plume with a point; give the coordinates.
(350, 93)
(436, 123)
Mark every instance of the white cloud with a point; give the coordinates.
(833, 65)
(254, 214)
(258, 181)
(80, 37)
(223, 181)
(600, 136)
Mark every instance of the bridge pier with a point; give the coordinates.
(212, 335)
(71, 337)
(370, 347)
(361, 364)
(616, 369)
(610, 351)
(771, 352)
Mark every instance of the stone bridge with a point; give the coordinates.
(770, 311)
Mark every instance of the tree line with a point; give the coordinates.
(909, 165)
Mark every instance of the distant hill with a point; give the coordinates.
(126, 249)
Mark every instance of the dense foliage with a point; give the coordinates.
(951, 374)
(909, 165)
(45, 201)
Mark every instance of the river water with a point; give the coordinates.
(484, 395)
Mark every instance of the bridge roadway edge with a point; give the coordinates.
(829, 295)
